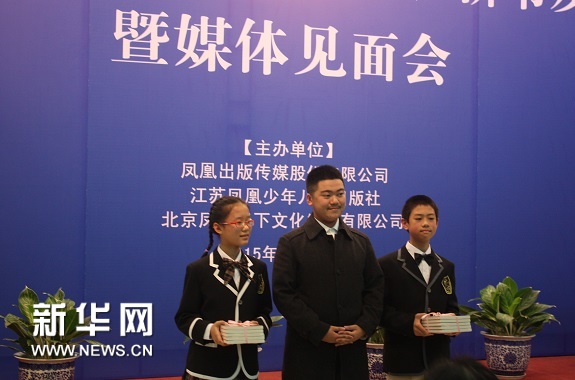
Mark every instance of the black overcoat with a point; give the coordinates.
(317, 282)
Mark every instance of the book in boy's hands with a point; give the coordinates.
(437, 323)
(243, 333)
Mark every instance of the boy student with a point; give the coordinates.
(328, 286)
(417, 281)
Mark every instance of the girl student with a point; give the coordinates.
(224, 285)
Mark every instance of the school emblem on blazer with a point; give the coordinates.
(261, 284)
(446, 282)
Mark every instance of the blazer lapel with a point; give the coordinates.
(436, 268)
(409, 265)
(245, 282)
(216, 263)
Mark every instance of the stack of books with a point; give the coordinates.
(243, 333)
(446, 323)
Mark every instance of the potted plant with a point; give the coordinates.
(45, 355)
(510, 317)
(375, 355)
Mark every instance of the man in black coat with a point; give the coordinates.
(328, 286)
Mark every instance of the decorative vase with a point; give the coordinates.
(45, 369)
(375, 361)
(507, 356)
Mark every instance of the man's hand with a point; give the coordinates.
(349, 335)
(332, 334)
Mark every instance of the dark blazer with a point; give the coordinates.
(207, 299)
(406, 294)
(318, 282)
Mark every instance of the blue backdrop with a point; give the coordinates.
(120, 121)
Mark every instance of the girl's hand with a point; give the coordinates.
(216, 334)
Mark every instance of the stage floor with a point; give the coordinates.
(542, 368)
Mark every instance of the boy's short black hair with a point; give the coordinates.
(418, 200)
(321, 173)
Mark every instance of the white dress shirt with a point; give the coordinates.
(424, 267)
(330, 230)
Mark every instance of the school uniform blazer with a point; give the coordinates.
(406, 294)
(318, 282)
(207, 299)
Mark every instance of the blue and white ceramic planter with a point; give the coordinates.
(375, 361)
(45, 369)
(508, 356)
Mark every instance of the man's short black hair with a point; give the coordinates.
(321, 173)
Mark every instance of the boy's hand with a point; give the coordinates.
(418, 328)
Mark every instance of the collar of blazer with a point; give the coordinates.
(216, 261)
(403, 255)
(409, 265)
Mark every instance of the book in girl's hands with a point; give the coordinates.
(243, 333)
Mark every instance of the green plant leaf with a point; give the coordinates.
(93, 342)
(511, 284)
(512, 308)
(275, 319)
(528, 298)
(60, 296)
(537, 308)
(377, 336)
(26, 301)
(10, 347)
(487, 294)
(70, 325)
(19, 325)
